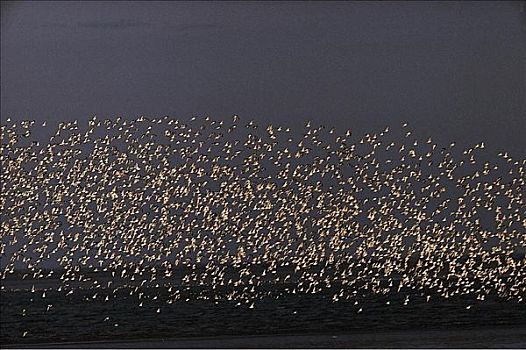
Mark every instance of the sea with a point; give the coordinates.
(36, 312)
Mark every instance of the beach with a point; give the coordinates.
(497, 337)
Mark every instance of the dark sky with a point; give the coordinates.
(453, 70)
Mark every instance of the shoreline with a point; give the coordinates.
(483, 337)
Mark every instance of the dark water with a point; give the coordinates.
(80, 317)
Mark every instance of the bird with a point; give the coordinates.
(151, 206)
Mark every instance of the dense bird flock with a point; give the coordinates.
(246, 212)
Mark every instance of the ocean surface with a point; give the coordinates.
(35, 312)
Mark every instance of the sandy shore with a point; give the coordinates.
(501, 337)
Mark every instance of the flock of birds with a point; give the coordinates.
(240, 212)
